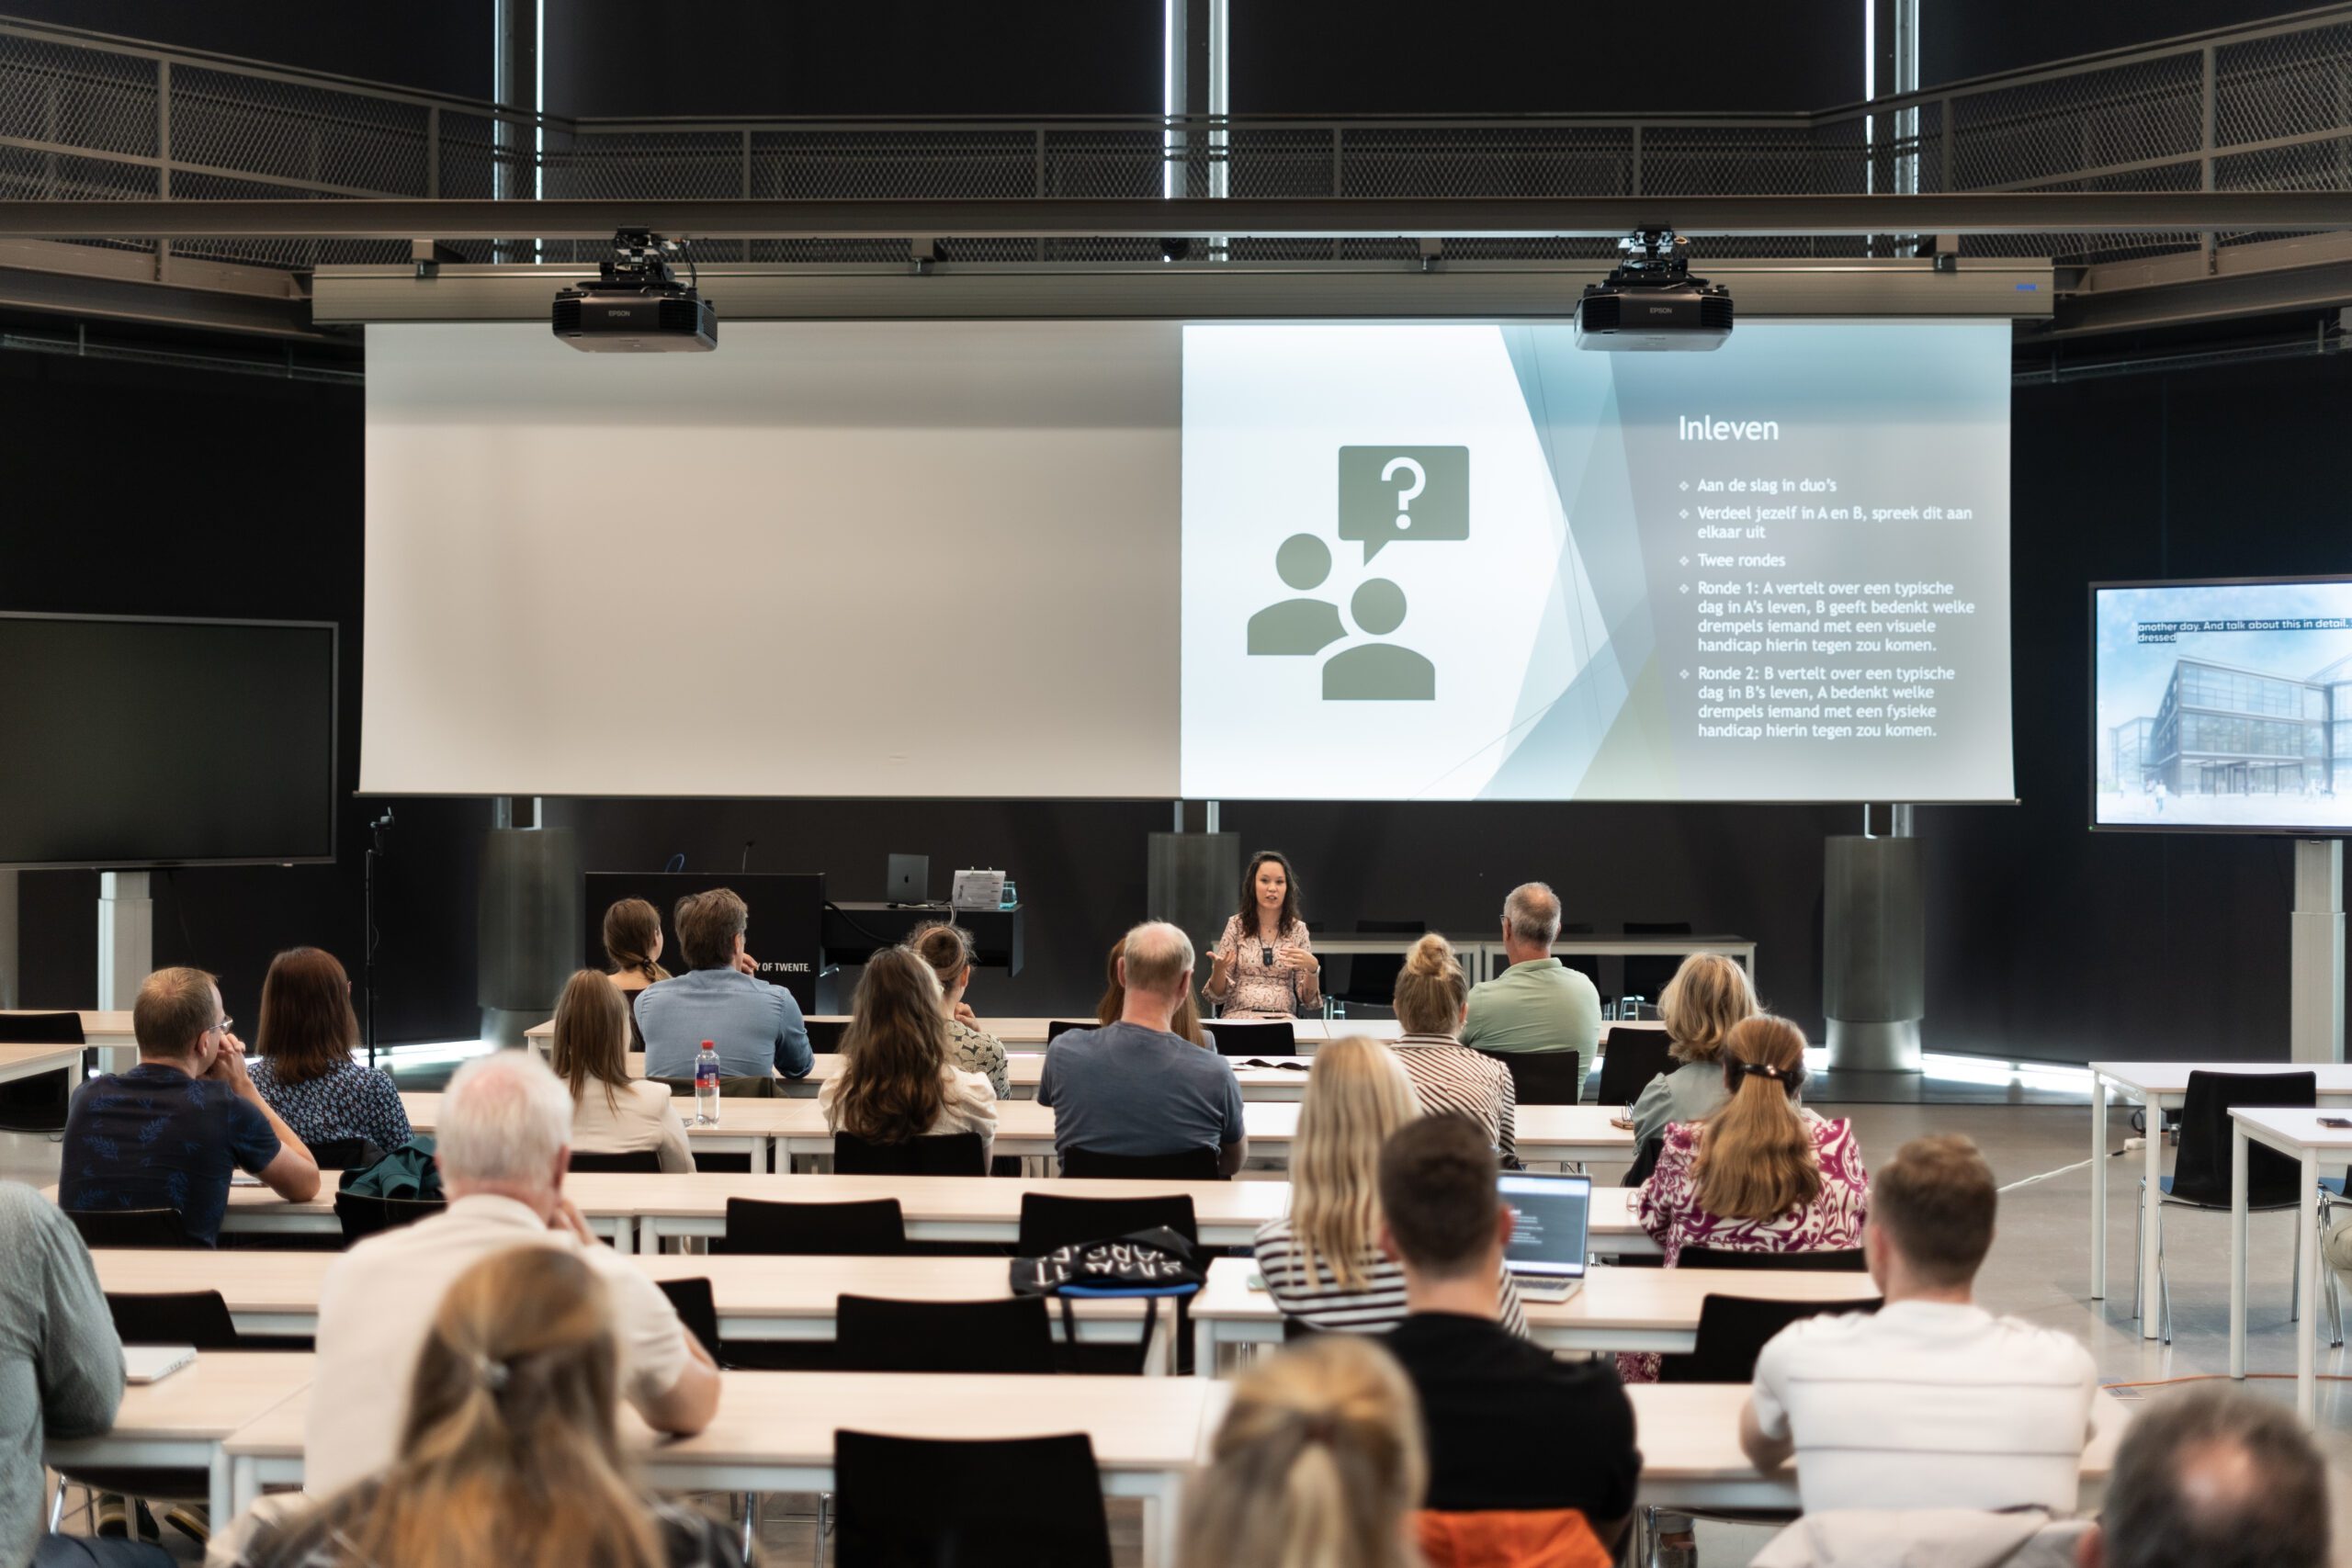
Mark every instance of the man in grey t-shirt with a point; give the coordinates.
(1134, 1089)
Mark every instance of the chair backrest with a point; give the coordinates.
(1542, 1077)
(1826, 1260)
(1633, 1057)
(2202, 1168)
(1372, 977)
(1734, 1330)
(643, 1161)
(1191, 1164)
(1061, 1026)
(1009, 1335)
(940, 1154)
(175, 1318)
(362, 1216)
(348, 1154)
(697, 1308)
(874, 1227)
(825, 1034)
(42, 1029)
(1646, 978)
(1491, 1538)
(1005, 1503)
(1252, 1036)
(130, 1227)
(1049, 1219)
(1645, 1159)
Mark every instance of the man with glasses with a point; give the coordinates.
(171, 1131)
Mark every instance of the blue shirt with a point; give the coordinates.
(155, 1138)
(1125, 1089)
(755, 1026)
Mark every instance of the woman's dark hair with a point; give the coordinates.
(890, 1087)
(1250, 894)
(308, 1029)
(631, 927)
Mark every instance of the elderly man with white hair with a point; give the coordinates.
(1134, 1089)
(1539, 1003)
(502, 1147)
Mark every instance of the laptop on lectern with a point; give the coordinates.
(1550, 1238)
(910, 879)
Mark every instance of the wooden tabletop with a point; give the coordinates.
(205, 1400)
(24, 1061)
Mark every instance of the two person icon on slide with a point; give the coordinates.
(1305, 626)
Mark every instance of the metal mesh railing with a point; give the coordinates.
(2265, 107)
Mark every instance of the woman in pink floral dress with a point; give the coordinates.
(1762, 1174)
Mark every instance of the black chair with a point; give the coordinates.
(1634, 1056)
(1191, 1164)
(349, 1154)
(38, 1103)
(1827, 1261)
(698, 1309)
(130, 1227)
(1542, 1077)
(1646, 978)
(1297, 1328)
(1010, 1503)
(1049, 1221)
(175, 1318)
(1009, 1335)
(1645, 1159)
(1061, 1026)
(1587, 968)
(1734, 1330)
(362, 1216)
(1252, 1036)
(940, 1154)
(1372, 977)
(873, 1228)
(825, 1034)
(645, 1162)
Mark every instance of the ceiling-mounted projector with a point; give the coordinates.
(1651, 301)
(636, 305)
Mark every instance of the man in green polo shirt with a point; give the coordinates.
(1537, 1004)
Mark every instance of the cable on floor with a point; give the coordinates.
(2029, 1181)
(2220, 1377)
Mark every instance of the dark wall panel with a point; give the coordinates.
(1960, 39)
(444, 47)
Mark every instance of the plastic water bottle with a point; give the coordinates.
(707, 1085)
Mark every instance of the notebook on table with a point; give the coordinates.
(153, 1363)
(1550, 1232)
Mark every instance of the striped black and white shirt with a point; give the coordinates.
(1378, 1305)
(1449, 1076)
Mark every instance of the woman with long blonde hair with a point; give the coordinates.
(510, 1456)
(897, 1081)
(612, 1113)
(1431, 997)
(1186, 1023)
(1318, 1463)
(1708, 998)
(1322, 1262)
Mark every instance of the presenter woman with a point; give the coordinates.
(1264, 967)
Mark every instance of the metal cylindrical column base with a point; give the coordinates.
(1874, 952)
(1873, 1047)
(1190, 880)
(528, 936)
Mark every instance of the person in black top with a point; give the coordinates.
(1509, 1428)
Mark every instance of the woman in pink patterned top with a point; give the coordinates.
(1762, 1174)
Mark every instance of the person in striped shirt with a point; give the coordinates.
(1322, 1262)
(1432, 996)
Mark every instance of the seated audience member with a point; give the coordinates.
(503, 1144)
(61, 1376)
(307, 1073)
(1133, 1088)
(633, 945)
(1430, 996)
(756, 1027)
(169, 1133)
(1539, 1003)
(612, 1113)
(1510, 1431)
(1930, 1401)
(2213, 1478)
(1322, 1261)
(1762, 1174)
(1263, 964)
(1186, 1020)
(1316, 1464)
(509, 1448)
(1707, 998)
(948, 949)
(896, 1080)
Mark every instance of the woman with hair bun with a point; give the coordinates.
(633, 943)
(1431, 996)
(948, 949)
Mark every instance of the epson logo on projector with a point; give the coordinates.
(1706, 429)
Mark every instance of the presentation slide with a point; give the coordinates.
(2224, 706)
(1459, 562)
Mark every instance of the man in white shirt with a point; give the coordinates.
(502, 1147)
(1931, 1401)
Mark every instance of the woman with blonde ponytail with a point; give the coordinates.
(1318, 1464)
(1433, 996)
(510, 1456)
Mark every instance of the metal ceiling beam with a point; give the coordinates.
(2312, 272)
(1598, 217)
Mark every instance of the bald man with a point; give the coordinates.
(2215, 1477)
(1539, 1003)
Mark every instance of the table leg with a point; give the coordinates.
(2152, 1197)
(2237, 1250)
(2307, 1249)
(2098, 1186)
(1204, 1349)
(1161, 1516)
(763, 1156)
(217, 1491)
(244, 1488)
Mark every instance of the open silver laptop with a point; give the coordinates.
(1550, 1238)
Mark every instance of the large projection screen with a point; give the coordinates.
(827, 559)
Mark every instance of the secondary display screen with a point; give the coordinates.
(2222, 705)
(1475, 562)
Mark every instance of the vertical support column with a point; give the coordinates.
(1220, 32)
(126, 937)
(11, 981)
(515, 80)
(1175, 94)
(2315, 992)
(163, 156)
(2207, 95)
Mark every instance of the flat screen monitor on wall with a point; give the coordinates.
(2222, 705)
(139, 742)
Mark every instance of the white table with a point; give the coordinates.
(752, 1127)
(31, 1061)
(1736, 947)
(1029, 1034)
(2161, 1087)
(2297, 1134)
(184, 1421)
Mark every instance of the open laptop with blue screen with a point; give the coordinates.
(1550, 1237)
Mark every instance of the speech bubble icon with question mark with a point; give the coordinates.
(1410, 493)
